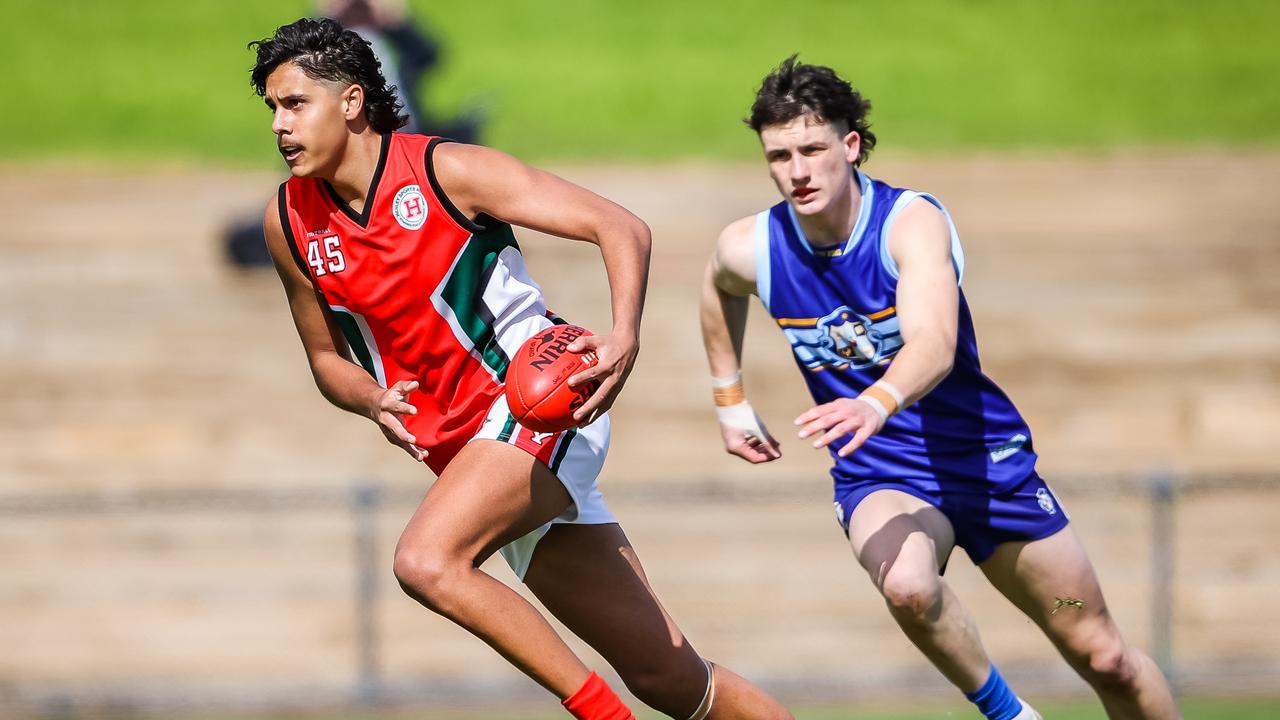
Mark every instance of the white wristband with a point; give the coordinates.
(895, 392)
(719, 382)
(881, 410)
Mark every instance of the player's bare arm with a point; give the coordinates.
(341, 381)
(480, 180)
(928, 300)
(928, 307)
(728, 283)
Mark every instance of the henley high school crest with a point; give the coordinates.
(410, 207)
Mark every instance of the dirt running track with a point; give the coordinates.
(1129, 305)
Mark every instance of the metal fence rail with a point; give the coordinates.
(365, 501)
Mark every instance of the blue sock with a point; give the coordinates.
(994, 699)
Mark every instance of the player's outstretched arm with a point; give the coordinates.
(928, 300)
(927, 309)
(727, 285)
(480, 180)
(341, 381)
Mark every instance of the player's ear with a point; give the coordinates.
(852, 145)
(353, 102)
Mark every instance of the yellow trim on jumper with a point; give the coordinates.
(813, 322)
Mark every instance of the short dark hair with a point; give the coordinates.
(324, 50)
(794, 89)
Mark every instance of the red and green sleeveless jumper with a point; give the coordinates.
(419, 290)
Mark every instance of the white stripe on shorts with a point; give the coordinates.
(578, 470)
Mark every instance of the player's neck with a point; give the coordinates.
(834, 224)
(354, 173)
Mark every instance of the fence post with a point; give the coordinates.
(366, 500)
(1164, 491)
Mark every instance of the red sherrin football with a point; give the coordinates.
(538, 391)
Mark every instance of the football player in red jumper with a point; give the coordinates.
(410, 296)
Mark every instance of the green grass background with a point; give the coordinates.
(149, 81)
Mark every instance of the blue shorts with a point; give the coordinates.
(982, 519)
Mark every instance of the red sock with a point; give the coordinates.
(596, 701)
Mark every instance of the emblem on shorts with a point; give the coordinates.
(1046, 501)
(1009, 449)
(410, 207)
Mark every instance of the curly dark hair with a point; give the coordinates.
(794, 89)
(324, 50)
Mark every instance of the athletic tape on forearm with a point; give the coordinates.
(884, 398)
(728, 391)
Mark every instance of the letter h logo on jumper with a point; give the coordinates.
(410, 207)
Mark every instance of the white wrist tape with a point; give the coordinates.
(742, 417)
(723, 382)
(883, 397)
(875, 404)
(895, 392)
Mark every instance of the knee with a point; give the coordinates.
(912, 596)
(424, 575)
(1109, 665)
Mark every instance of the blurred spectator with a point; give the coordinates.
(407, 52)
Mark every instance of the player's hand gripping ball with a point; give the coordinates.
(538, 392)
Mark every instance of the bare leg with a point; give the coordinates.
(903, 542)
(589, 577)
(492, 493)
(1033, 576)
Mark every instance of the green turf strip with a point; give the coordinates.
(664, 79)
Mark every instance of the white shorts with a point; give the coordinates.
(574, 456)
